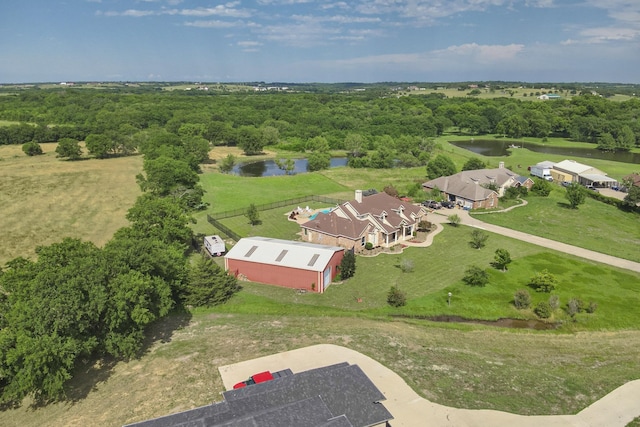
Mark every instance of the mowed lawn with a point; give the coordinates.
(593, 225)
(439, 268)
(44, 199)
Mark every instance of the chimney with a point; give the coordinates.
(359, 196)
(501, 165)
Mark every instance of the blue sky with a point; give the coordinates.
(320, 41)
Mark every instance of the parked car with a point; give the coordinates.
(262, 377)
(447, 204)
(431, 204)
(566, 183)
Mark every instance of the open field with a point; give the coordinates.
(474, 367)
(44, 199)
(460, 365)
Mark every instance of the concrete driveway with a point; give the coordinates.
(616, 409)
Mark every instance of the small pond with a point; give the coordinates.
(493, 148)
(537, 325)
(270, 168)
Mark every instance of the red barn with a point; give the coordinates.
(297, 265)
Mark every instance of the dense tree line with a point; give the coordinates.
(79, 302)
(291, 120)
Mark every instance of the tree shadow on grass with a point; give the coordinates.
(89, 374)
(565, 205)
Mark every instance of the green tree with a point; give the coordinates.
(475, 276)
(135, 301)
(441, 165)
(522, 299)
(53, 318)
(454, 219)
(347, 265)
(164, 174)
(227, 164)
(99, 145)
(160, 218)
(287, 165)
(543, 281)
(575, 194)
(253, 215)
(196, 150)
(354, 144)
(31, 148)
(502, 259)
(541, 187)
(606, 142)
(625, 139)
(478, 239)
(396, 298)
(474, 163)
(318, 161)
(250, 139)
(632, 199)
(543, 310)
(208, 284)
(69, 148)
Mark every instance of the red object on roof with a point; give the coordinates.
(260, 377)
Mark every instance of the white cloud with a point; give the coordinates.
(482, 53)
(215, 24)
(606, 34)
(248, 44)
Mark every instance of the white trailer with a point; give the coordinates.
(214, 245)
(542, 170)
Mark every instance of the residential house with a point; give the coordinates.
(379, 219)
(572, 171)
(338, 395)
(297, 265)
(633, 179)
(477, 189)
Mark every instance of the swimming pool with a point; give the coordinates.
(324, 211)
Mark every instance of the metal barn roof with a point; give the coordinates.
(286, 253)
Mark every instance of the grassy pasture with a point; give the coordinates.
(44, 199)
(469, 367)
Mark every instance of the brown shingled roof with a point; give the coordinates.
(389, 213)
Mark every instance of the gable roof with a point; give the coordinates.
(287, 253)
(576, 168)
(353, 219)
(338, 395)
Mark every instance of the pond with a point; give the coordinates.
(270, 168)
(489, 147)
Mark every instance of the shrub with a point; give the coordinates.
(32, 148)
(478, 239)
(454, 219)
(406, 265)
(424, 225)
(396, 298)
(541, 187)
(554, 302)
(543, 281)
(475, 276)
(348, 265)
(522, 299)
(368, 246)
(543, 310)
(592, 307)
(574, 306)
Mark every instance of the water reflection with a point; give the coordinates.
(499, 148)
(270, 168)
